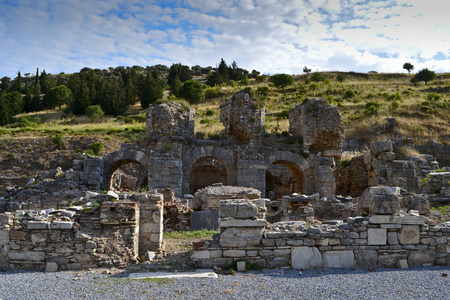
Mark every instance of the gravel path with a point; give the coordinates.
(417, 283)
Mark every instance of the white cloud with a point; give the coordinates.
(267, 35)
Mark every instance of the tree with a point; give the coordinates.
(424, 75)
(151, 88)
(5, 112)
(5, 83)
(15, 102)
(282, 80)
(94, 112)
(408, 66)
(57, 96)
(192, 91)
(18, 83)
(306, 70)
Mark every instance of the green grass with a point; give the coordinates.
(185, 235)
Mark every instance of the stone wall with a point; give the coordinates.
(361, 242)
(54, 240)
(106, 235)
(168, 120)
(319, 124)
(242, 118)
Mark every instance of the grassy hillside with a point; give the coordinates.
(364, 100)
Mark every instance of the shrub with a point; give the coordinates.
(262, 90)
(349, 94)
(211, 93)
(397, 97)
(433, 97)
(58, 140)
(282, 80)
(371, 108)
(341, 77)
(10, 156)
(27, 121)
(316, 77)
(394, 105)
(210, 112)
(260, 78)
(206, 121)
(313, 86)
(283, 115)
(192, 91)
(94, 112)
(97, 147)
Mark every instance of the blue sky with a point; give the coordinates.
(271, 36)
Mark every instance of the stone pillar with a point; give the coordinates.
(151, 222)
(165, 167)
(325, 181)
(92, 176)
(252, 171)
(5, 225)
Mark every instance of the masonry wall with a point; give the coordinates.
(75, 239)
(376, 241)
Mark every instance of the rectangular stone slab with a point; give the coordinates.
(388, 219)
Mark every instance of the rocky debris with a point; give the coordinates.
(291, 208)
(209, 197)
(169, 120)
(319, 124)
(176, 216)
(242, 118)
(435, 182)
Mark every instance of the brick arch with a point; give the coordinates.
(296, 163)
(223, 155)
(116, 159)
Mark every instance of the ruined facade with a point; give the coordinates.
(244, 154)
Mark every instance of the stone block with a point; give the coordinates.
(61, 225)
(26, 255)
(240, 266)
(409, 235)
(37, 225)
(389, 260)
(205, 220)
(381, 146)
(384, 204)
(366, 258)
(406, 220)
(227, 209)
(216, 253)
(203, 254)
(338, 259)
(246, 210)
(402, 264)
(51, 267)
(281, 252)
(376, 236)
(387, 156)
(332, 153)
(418, 258)
(4, 238)
(150, 227)
(240, 237)
(392, 238)
(306, 257)
(234, 253)
(224, 223)
(156, 237)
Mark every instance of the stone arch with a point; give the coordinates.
(296, 164)
(225, 156)
(116, 159)
(206, 171)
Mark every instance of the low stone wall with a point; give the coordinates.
(76, 238)
(376, 241)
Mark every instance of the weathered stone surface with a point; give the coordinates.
(26, 255)
(51, 267)
(376, 236)
(409, 234)
(204, 220)
(234, 253)
(416, 258)
(229, 222)
(210, 197)
(242, 118)
(366, 258)
(402, 264)
(386, 219)
(204, 254)
(319, 124)
(384, 204)
(370, 192)
(306, 257)
(37, 225)
(168, 120)
(381, 146)
(241, 237)
(4, 238)
(338, 259)
(61, 225)
(390, 260)
(392, 238)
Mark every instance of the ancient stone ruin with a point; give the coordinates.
(272, 198)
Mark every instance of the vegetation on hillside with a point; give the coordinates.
(113, 101)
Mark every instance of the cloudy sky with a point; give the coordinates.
(271, 36)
